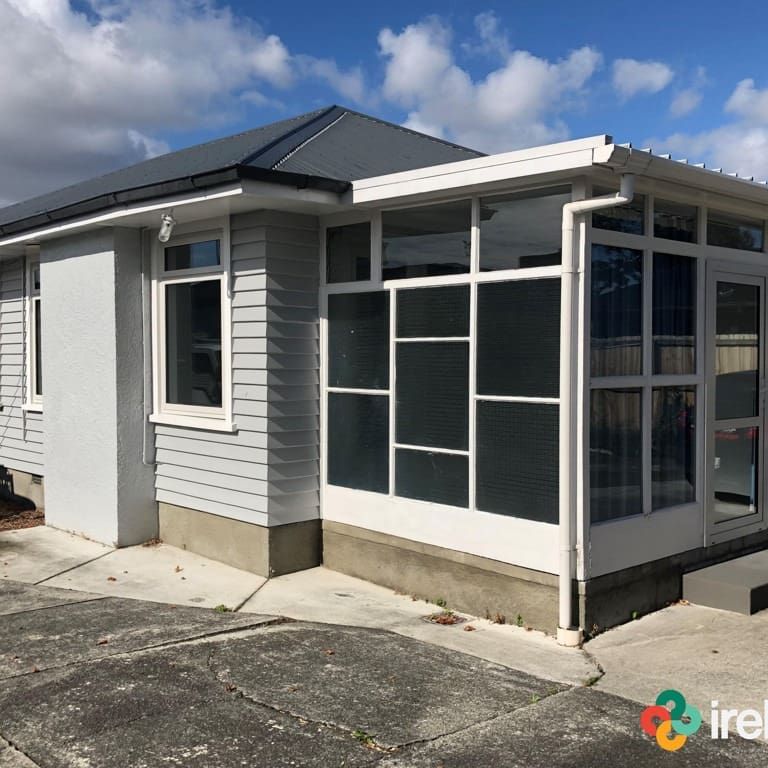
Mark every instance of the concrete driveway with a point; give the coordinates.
(99, 681)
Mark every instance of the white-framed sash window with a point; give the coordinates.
(34, 382)
(191, 330)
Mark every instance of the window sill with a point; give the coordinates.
(32, 407)
(193, 422)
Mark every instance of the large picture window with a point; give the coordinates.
(191, 331)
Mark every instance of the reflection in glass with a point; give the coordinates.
(358, 340)
(629, 218)
(193, 343)
(674, 221)
(674, 314)
(673, 446)
(735, 475)
(734, 232)
(617, 319)
(432, 476)
(737, 349)
(615, 454)
(433, 312)
(522, 229)
(425, 241)
(37, 323)
(192, 255)
(348, 253)
(358, 441)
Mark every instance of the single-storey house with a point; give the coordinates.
(531, 383)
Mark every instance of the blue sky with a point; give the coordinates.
(91, 85)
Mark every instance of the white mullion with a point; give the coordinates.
(430, 339)
(324, 389)
(472, 444)
(431, 449)
(355, 391)
(518, 399)
(392, 385)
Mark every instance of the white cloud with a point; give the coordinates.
(685, 102)
(492, 39)
(350, 83)
(82, 94)
(748, 102)
(518, 104)
(632, 77)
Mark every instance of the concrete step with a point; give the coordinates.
(739, 585)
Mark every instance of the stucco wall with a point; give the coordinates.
(96, 483)
(266, 473)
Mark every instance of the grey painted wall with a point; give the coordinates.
(21, 432)
(96, 483)
(267, 473)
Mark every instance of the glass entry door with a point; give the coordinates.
(736, 432)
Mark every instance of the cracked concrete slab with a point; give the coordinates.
(17, 597)
(708, 654)
(582, 728)
(35, 554)
(10, 757)
(68, 634)
(395, 689)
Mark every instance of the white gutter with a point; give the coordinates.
(567, 633)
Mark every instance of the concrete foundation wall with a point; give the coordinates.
(30, 486)
(466, 582)
(96, 483)
(267, 551)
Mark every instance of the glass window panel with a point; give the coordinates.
(425, 241)
(193, 343)
(430, 476)
(674, 221)
(737, 350)
(358, 441)
(37, 309)
(734, 232)
(358, 340)
(673, 446)
(518, 338)
(674, 314)
(736, 473)
(348, 253)
(517, 460)
(615, 454)
(432, 394)
(36, 278)
(192, 255)
(629, 218)
(617, 311)
(522, 229)
(430, 312)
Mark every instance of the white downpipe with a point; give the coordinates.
(567, 634)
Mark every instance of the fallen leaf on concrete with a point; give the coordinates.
(469, 628)
(329, 652)
(111, 578)
(178, 569)
(102, 641)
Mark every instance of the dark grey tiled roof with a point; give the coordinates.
(326, 148)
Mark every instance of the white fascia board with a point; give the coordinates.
(564, 156)
(115, 215)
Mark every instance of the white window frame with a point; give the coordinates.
(192, 416)
(34, 399)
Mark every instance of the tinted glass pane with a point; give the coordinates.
(522, 230)
(358, 340)
(617, 311)
(192, 255)
(431, 240)
(432, 392)
(429, 476)
(628, 218)
(518, 338)
(737, 350)
(674, 314)
(193, 343)
(734, 232)
(38, 347)
(427, 312)
(358, 441)
(673, 439)
(348, 253)
(674, 221)
(736, 473)
(615, 454)
(517, 469)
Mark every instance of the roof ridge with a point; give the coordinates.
(250, 157)
(306, 141)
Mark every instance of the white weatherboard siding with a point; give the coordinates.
(267, 472)
(21, 432)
